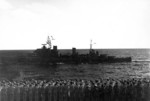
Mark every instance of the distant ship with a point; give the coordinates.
(47, 55)
(51, 56)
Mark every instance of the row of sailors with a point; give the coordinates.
(79, 90)
(75, 82)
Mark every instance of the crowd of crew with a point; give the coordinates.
(133, 89)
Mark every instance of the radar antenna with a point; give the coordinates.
(52, 38)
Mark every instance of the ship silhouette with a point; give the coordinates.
(49, 55)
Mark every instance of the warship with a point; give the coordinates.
(50, 55)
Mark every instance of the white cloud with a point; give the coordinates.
(4, 5)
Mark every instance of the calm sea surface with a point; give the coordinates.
(138, 68)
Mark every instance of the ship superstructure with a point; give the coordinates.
(49, 55)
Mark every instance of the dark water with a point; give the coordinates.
(138, 68)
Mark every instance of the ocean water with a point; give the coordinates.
(138, 68)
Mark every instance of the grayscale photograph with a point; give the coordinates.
(74, 50)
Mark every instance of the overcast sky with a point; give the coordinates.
(25, 24)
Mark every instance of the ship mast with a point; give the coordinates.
(91, 44)
(49, 42)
